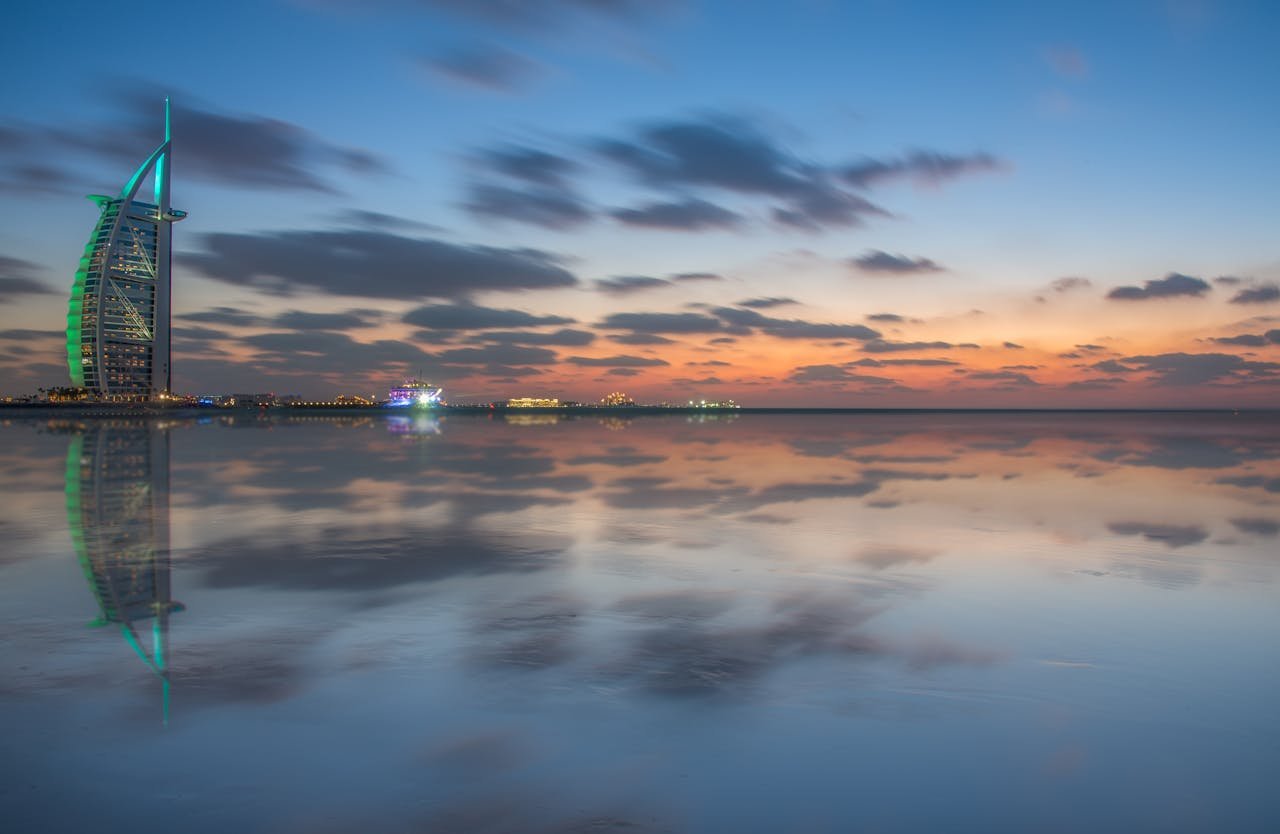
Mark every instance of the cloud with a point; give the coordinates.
(545, 207)
(1243, 340)
(19, 334)
(515, 14)
(874, 260)
(17, 278)
(690, 215)
(793, 328)
(885, 317)
(559, 338)
(617, 361)
(1111, 366)
(696, 276)
(299, 320)
(240, 150)
(371, 264)
(485, 67)
(232, 316)
(884, 363)
(531, 165)
(627, 284)
(1012, 346)
(1011, 379)
(1257, 295)
(473, 317)
(767, 303)
(834, 373)
(365, 219)
(497, 355)
(887, 346)
(733, 154)
(640, 339)
(1070, 283)
(662, 323)
(1178, 369)
(926, 167)
(1171, 286)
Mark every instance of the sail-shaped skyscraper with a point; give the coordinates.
(118, 322)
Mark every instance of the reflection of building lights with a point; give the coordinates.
(617, 398)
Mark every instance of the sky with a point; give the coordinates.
(809, 203)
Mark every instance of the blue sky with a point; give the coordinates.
(1015, 145)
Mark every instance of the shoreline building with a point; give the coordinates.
(118, 320)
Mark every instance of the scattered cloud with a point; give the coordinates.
(1243, 340)
(793, 328)
(546, 14)
(1172, 285)
(1012, 379)
(17, 277)
(640, 339)
(1070, 283)
(371, 264)
(1181, 369)
(621, 361)
(925, 167)
(1257, 295)
(888, 346)
(735, 155)
(228, 149)
(919, 363)
(486, 67)
(546, 207)
(531, 165)
(834, 373)
(767, 302)
(627, 284)
(299, 320)
(875, 260)
(559, 338)
(690, 215)
(232, 316)
(473, 317)
(662, 322)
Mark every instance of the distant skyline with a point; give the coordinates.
(900, 204)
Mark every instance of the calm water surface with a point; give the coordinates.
(774, 623)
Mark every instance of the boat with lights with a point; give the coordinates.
(415, 392)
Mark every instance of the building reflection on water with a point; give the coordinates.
(117, 491)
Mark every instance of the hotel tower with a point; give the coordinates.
(118, 321)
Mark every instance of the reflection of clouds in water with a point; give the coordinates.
(1193, 452)
(1251, 482)
(1257, 526)
(1170, 535)
(717, 643)
(889, 556)
(348, 559)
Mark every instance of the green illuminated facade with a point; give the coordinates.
(118, 321)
